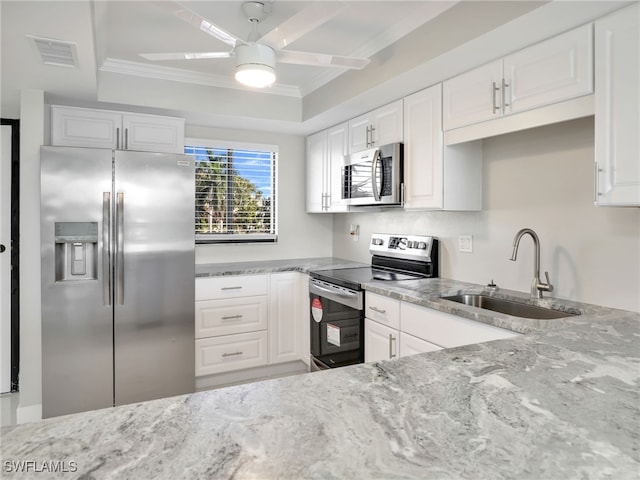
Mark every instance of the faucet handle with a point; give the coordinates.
(547, 287)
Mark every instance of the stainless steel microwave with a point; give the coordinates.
(374, 176)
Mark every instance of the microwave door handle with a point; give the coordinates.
(374, 185)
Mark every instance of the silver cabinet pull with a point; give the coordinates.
(126, 139)
(373, 129)
(494, 89)
(368, 141)
(106, 248)
(232, 317)
(391, 340)
(231, 288)
(231, 354)
(505, 85)
(117, 138)
(120, 247)
(596, 188)
(379, 310)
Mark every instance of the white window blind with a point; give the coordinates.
(235, 192)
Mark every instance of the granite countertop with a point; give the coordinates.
(560, 402)
(303, 265)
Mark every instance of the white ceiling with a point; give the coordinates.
(398, 36)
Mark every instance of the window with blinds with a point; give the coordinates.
(235, 192)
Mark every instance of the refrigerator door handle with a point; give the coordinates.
(106, 248)
(120, 248)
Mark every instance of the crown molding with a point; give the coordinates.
(159, 72)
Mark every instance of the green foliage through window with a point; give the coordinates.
(235, 194)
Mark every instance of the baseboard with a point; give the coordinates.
(255, 374)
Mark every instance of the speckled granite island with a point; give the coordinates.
(561, 401)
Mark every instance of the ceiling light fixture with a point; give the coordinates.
(255, 65)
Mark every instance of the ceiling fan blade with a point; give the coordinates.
(300, 24)
(320, 59)
(198, 21)
(185, 55)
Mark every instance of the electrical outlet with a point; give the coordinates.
(354, 231)
(465, 243)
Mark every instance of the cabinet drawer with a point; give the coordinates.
(447, 330)
(212, 288)
(382, 309)
(410, 345)
(231, 315)
(230, 352)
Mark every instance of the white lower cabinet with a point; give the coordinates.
(246, 321)
(447, 330)
(230, 352)
(410, 345)
(286, 317)
(380, 341)
(394, 329)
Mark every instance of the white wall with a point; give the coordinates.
(299, 234)
(542, 179)
(31, 137)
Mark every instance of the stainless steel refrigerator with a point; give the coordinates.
(118, 279)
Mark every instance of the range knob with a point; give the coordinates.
(377, 241)
(421, 245)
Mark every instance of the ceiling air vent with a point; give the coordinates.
(55, 52)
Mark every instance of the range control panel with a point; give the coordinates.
(404, 246)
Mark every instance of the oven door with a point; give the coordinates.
(336, 325)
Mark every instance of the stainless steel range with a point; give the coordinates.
(337, 295)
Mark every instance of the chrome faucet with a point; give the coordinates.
(537, 285)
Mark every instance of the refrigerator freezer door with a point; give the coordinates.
(77, 326)
(154, 276)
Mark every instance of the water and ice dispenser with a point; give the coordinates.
(76, 251)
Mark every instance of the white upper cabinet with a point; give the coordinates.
(558, 69)
(337, 144)
(325, 157)
(378, 127)
(473, 97)
(316, 164)
(84, 127)
(149, 133)
(549, 72)
(437, 176)
(617, 105)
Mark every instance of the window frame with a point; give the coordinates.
(238, 238)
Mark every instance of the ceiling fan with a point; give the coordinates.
(256, 57)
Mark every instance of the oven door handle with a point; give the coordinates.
(374, 185)
(335, 292)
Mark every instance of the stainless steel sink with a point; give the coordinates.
(509, 307)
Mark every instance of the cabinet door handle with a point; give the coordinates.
(376, 309)
(373, 129)
(126, 139)
(367, 139)
(505, 85)
(231, 288)
(391, 340)
(231, 354)
(118, 138)
(232, 317)
(494, 89)
(596, 190)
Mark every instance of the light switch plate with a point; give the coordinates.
(465, 243)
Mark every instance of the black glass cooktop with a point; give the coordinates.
(354, 277)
